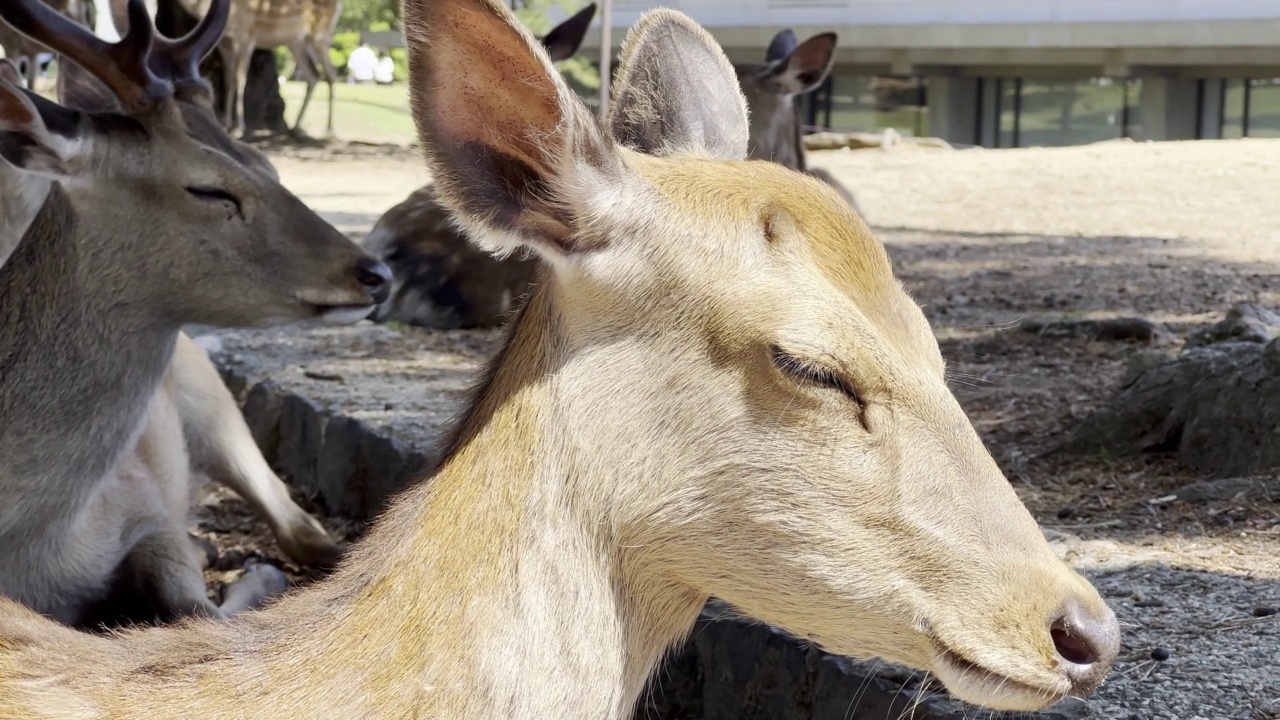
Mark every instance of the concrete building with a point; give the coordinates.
(1010, 73)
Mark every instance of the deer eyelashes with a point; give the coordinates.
(813, 374)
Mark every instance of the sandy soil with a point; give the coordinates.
(1174, 232)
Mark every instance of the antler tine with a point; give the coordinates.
(180, 59)
(122, 67)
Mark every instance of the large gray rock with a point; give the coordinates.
(741, 670)
(1217, 404)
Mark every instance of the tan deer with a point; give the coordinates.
(102, 421)
(717, 389)
(440, 279)
(790, 70)
(23, 52)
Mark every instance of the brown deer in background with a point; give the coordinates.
(717, 388)
(790, 70)
(154, 229)
(305, 27)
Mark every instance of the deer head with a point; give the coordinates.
(789, 70)
(750, 405)
(225, 243)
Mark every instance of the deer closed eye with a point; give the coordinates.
(214, 195)
(807, 372)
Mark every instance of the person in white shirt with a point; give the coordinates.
(386, 72)
(361, 64)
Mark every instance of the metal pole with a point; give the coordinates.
(606, 53)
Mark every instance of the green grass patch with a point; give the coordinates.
(369, 113)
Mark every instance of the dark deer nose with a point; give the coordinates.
(375, 277)
(1087, 641)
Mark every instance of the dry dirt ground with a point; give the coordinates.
(1174, 232)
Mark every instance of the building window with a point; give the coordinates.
(1262, 109)
(1234, 113)
(868, 104)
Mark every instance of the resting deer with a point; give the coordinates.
(441, 280)
(717, 388)
(790, 69)
(166, 231)
(215, 433)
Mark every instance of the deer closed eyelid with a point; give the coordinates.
(815, 373)
(216, 195)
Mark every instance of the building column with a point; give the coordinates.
(1171, 109)
(953, 108)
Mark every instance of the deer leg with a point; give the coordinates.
(244, 58)
(330, 79)
(304, 62)
(221, 446)
(229, 54)
(164, 567)
(32, 71)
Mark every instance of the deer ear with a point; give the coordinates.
(9, 73)
(676, 91)
(516, 155)
(80, 90)
(38, 135)
(782, 45)
(565, 39)
(807, 66)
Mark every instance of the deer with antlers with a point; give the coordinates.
(717, 388)
(105, 406)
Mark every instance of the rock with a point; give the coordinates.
(1106, 330)
(1142, 361)
(1244, 322)
(741, 670)
(1216, 406)
(1238, 488)
(886, 140)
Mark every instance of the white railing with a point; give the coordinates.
(738, 13)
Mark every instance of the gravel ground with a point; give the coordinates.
(1174, 232)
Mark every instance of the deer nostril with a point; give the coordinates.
(1071, 648)
(1086, 638)
(375, 277)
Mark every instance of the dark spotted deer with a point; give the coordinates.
(155, 229)
(717, 388)
(441, 280)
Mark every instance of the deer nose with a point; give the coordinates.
(1087, 641)
(375, 276)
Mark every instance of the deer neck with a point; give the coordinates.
(497, 588)
(80, 357)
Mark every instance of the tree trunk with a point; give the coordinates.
(263, 105)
